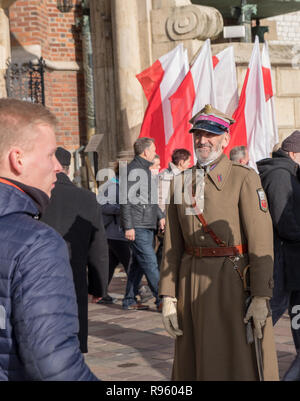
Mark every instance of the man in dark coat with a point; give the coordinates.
(280, 178)
(75, 213)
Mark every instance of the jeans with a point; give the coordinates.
(143, 262)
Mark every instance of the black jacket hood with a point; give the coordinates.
(279, 160)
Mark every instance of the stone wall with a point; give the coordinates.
(287, 28)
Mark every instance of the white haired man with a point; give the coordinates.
(221, 226)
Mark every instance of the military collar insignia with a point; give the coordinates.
(207, 168)
(220, 172)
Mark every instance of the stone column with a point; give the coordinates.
(127, 57)
(4, 50)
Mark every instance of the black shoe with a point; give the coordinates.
(107, 299)
(293, 373)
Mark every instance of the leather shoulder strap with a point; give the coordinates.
(208, 230)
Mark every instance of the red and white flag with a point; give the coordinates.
(196, 90)
(250, 128)
(271, 115)
(227, 96)
(159, 82)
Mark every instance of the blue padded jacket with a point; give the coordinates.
(38, 309)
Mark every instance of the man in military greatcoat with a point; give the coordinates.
(220, 230)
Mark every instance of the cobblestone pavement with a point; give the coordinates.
(133, 345)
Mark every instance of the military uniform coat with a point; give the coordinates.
(75, 213)
(209, 291)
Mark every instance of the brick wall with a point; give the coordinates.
(39, 22)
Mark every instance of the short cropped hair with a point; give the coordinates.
(276, 147)
(237, 153)
(141, 144)
(17, 121)
(180, 154)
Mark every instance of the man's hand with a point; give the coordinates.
(162, 223)
(130, 234)
(169, 316)
(258, 310)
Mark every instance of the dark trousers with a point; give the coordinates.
(283, 300)
(143, 262)
(286, 301)
(119, 252)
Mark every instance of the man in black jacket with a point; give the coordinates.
(140, 216)
(75, 213)
(280, 178)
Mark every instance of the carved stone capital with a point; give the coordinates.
(183, 23)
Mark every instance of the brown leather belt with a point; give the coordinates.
(203, 252)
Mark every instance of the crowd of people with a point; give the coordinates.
(216, 243)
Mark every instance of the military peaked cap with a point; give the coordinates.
(211, 120)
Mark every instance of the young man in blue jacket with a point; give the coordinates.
(38, 310)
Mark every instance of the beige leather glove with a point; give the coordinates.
(258, 310)
(169, 316)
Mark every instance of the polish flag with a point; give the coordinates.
(196, 90)
(159, 82)
(271, 116)
(227, 96)
(250, 128)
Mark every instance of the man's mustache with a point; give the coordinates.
(204, 146)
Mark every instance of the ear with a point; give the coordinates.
(180, 163)
(15, 158)
(292, 155)
(226, 140)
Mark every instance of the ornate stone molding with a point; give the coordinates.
(184, 23)
(280, 55)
